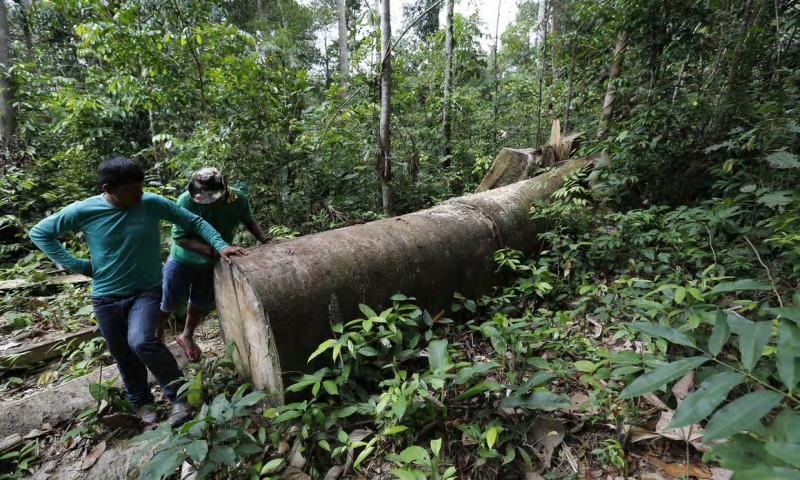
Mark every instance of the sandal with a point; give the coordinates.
(194, 355)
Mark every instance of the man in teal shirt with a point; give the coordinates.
(122, 228)
(189, 272)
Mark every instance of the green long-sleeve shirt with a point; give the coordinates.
(124, 243)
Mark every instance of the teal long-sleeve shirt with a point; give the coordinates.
(124, 243)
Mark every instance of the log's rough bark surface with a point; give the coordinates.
(50, 347)
(278, 303)
(62, 403)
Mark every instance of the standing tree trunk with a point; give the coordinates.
(261, 10)
(6, 83)
(344, 62)
(611, 90)
(543, 39)
(733, 75)
(496, 75)
(26, 32)
(384, 133)
(448, 81)
(569, 86)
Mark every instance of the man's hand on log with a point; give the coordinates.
(228, 252)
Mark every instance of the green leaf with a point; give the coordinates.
(291, 414)
(585, 366)
(346, 411)
(437, 354)
(251, 399)
(395, 429)
(323, 346)
(789, 353)
(657, 330)
(680, 294)
(720, 333)
(399, 407)
(271, 465)
(330, 387)
(323, 444)
(792, 313)
(368, 351)
(541, 400)
(368, 312)
(701, 403)
(741, 414)
(661, 376)
(477, 390)
(466, 373)
(752, 340)
(197, 450)
(763, 472)
(162, 464)
(787, 426)
(491, 436)
(785, 451)
(539, 362)
(223, 455)
(403, 474)
(538, 378)
(415, 454)
(740, 286)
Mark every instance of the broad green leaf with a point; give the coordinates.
(763, 472)
(323, 346)
(661, 376)
(436, 446)
(785, 451)
(223, 455)
(415, 454)
(701, 403)
(323, 444)
(437, 354)
(466, 373)
(363, 456)
(752, 340)
(680, 294)
(792, 313)
(399, 407)
(541, 400)
(720, 333)
(271, 465)
(368, 312)
(330, 387)
(585, 366)
(538, 378)
(477, 390)
(740, 286)
(491, 436)
(368, 351)
(403, 474)
(539, 362)
(197, 450)
(657, 330)
(787, 426)
(291, 414)
(741, 414)
(789, 353)
(162, 464)
(346, 411)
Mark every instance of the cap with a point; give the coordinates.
(207, 185)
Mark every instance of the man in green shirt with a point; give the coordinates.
(189, 272)
(122, 228)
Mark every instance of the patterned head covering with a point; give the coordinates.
(207, 185)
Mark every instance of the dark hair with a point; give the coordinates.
(119, 171)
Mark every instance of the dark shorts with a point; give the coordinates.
(182, 281)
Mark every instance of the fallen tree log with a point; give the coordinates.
(62, 403)
(276, 303)
(56, 280)
(51, 347)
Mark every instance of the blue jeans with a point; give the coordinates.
(182, 281)
(128, 325)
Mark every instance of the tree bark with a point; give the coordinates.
(384, 132)
(278, 303)
(496, 74)
(261, 10)
(541, 72)
(448, 80)
(6, 83)
(344, 61)
(569, 86)
(611, 90)
(26, 32)
(736, 61)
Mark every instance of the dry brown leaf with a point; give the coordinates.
(639, 434)
(334, 473)
(579, 400)
(684, 386)
(531, 475)
(545, 435)
(651, 476)
(94, 454)
(360, 434)
(653, 400)
(719, 473)
(675, 470)
(467, 439)
(690, 433)
(35, 433)
(44, 472)
(294, 473)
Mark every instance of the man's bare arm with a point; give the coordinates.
(197, 246)
(254, 228)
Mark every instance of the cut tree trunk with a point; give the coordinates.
(278, 303)
(513, 165)
(62, 403)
